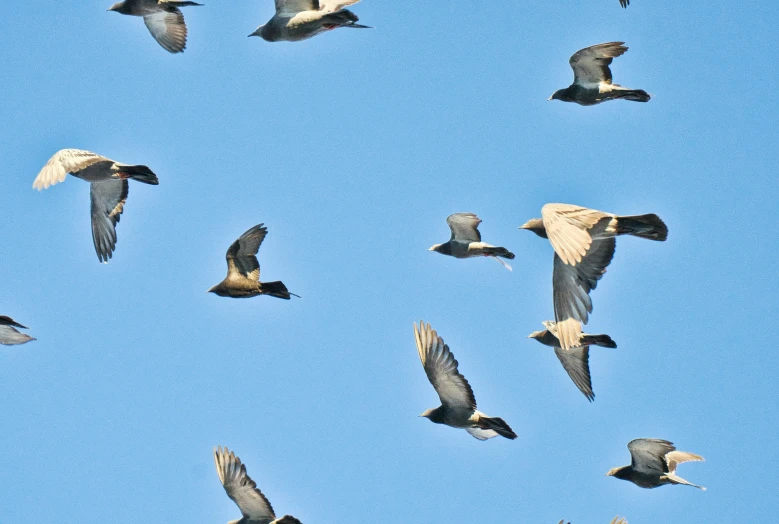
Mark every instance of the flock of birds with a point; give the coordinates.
(583, 240)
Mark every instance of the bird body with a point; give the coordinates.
(653, 464)
(297, 20)
(163, 19)
(9, 335)
(465, 241)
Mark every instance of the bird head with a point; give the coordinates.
(434, 247)
(535, 225)
(426, 413)
(116, 7)
(560, 94)
(217, 289)
(616, 472)
(536, 334)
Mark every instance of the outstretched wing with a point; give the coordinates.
(10, 336)
(576, 362)
(63, 162)
(242, 254)
(648, 455)
(332, 6)
(674, 458)
(591, 64)
(8, 321)
(241, 488)
(168, 29)
(108, 198)
(292, 7)
(569, 229)
(464, 227)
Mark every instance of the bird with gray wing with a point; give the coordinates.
(9, 335)
(243, 270)
(653, 464)
(458, 405)
(575, 361)
(297, 20)
(108, 189)
(254, 506)
(584, 243)
(163, 19)
(465, 241)
(592, 77)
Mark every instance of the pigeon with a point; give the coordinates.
(458, 405)
(108, 189)
(584, 243)
(575, 361)
(592, 77)
(297, 20)
(466, 240)
(256, 509)
(243, 270)
(9, 336)
(163, 19)
(653, 464)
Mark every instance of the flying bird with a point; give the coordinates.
(254, 506)
(584, 243)
(592, 77)
(108, 188)
(458, 405)
(9, 335)
(297, 20)
(243, 270)
(466, 240)
(653, 464)
(163, 19)
(575, 361)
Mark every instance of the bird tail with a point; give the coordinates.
(276, 289)
(343, 18)
(178, 3)
(679, 480)
(497, 425)
(636, 95)
(141, 174)
(644, 226)
(498, 252)
(598, 340)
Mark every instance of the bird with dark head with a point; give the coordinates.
(163, 19)
(465, 241)
(653, 464)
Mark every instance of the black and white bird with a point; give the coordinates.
(653, 464)
(254, 506)
(575, 361)
(592, 77)
(297, 20)
(243, 270)
(9, 335)
(108, 189)
(458, 405)
(163, 19)
(584, 243)
(465, 241)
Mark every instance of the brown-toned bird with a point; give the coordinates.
(163, 19)
(465, 241)
(254, 506)
(584, 243)
(9, 335)
(243, 270)
(297, 20)
(653, 464)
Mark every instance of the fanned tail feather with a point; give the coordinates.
(645, 226)
(141, 174)
(498, 425)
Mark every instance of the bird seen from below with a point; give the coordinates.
(108, 189)
(458, 405)
(465, 241)
(254, 506)
(592, 77)
(297, 20)
(653, 464)
(9, 335)
(243, 270)
(584, 243)
(163, 19)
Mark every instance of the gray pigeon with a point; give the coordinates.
(575, 361)
(458, 405)
(243, 270)
(9, 336)
(584, 244)
(108, 188)
(256, 509)
(592, 77)
(163, 19)
(653, 464)
(297, 20)
(466, 240)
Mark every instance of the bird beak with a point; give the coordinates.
(257, 31)
(550, 98)
(526, 225)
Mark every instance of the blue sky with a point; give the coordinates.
(352, 148)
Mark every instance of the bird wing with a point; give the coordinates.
(168, 29)
(568, 228)
(242, 254)
(108, 198)
(10, 336)
(464, 227)
(332, 6)
(576, 362)
(618, 520)
(63, 162)
(674, 458)
(241, 488)
(441, 369)
(292, 7)
(591, 64)
(648, 454)
(8, 321)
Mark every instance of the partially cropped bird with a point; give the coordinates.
(592, 77)
(163, 19)
(297, 20)
(584, 243)
(243, 270)
(653, 464)
(575, 361)
(458, 405)
(9, 335)
(465, 241)
(254, 506)
(108, 189)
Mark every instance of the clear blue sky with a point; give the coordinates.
(352, 148)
